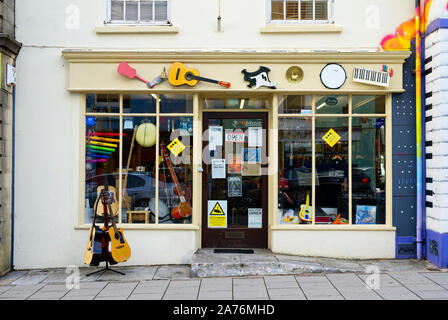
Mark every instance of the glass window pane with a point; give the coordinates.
(146, 10)
(292, 10)
(369, 104)
(139, 103)
(331, 104)
(161, 10)
(117, 10)
(306, 10)
(295, 104)
(176, 103)
(295, 170)
(368, 171)
(139, 180)
(175, 170)
(332, 170)
(103, 103)
(277, 10)
(321, 10)
(131, 10)
(236, 102)
(102, 163)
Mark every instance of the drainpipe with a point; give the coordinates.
(13, 171)
(418, 107)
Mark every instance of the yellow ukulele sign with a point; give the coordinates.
(217, 214)
(331, 138)
(176, 147)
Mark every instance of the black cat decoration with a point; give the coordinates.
(259, 78)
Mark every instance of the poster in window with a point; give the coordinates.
(251, 169)
(214, 137)
(251, 155)
(365, 214)
(254, 217)
(255, 138)
(234, 164)
(234, 187)
(218, 168)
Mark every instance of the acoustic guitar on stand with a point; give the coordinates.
(179, 74)
(119, 249)
(93, 251)
(183, 210)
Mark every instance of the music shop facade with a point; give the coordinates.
(291, 150)
(299, 165)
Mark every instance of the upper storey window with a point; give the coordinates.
(300, 11)
(138, 12)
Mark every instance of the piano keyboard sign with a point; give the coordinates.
(373, 77)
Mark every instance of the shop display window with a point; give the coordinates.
(345, 142)
(331, 169)
(295, 140)
(156, 157)
(332, 104)
(103, 103)
(369, 104)
(237, 103)
(295, 104)
(368, 170)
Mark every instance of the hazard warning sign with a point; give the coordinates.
(331, 138)
(217, 213)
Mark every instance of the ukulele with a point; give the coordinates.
(119, 248)
(179, 74)
(92, 253)
(305, 210)
(183, 209)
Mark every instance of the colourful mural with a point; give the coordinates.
(406, 31)
(401, 40)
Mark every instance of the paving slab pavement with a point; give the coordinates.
(325, 279)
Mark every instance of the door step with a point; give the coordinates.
(242, 251)
(206, 263)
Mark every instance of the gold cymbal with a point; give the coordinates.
(294, 74)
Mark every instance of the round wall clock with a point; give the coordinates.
(333, 76)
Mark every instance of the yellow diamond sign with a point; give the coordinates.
(176, 147)
(331, 138)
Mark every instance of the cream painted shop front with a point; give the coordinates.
(299, 165)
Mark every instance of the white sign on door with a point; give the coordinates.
(255, 217)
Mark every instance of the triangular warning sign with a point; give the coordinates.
(217, 210)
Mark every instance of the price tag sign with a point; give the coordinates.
(331, 138)
(176, 147)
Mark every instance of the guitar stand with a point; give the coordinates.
(105, 246)
(105, 269)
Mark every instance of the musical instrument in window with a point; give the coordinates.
(183, 209)
(179, 74)
(305, 210)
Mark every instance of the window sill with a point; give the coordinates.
(332, 227)
(301, 28)
(117, 29)
(141, 226)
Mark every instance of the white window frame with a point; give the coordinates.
(298, 21)
(108, 15)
